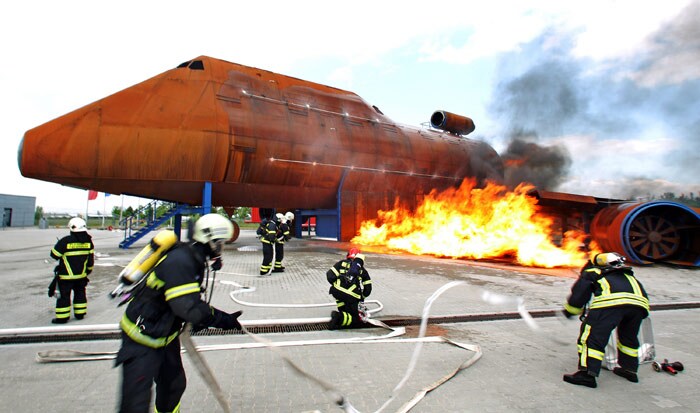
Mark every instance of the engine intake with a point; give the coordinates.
(449, 122)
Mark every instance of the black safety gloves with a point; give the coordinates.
(52, 287)
(216, 264)
(226, 321)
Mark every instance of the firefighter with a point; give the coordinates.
(267, 231)
(350, 284)
(168, 297)
(76, 256)
(283, 235)
(618, 300)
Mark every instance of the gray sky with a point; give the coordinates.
(599, 97)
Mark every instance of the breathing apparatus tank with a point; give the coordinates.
(145, 260)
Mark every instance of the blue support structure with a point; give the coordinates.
(153, 220)
(327, 220)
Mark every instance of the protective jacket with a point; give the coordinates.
(283, 234)
(75, 254)
(169, 297)
(267, 231)
(610, 287)
(349, 280)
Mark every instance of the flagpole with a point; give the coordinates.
(121, 210)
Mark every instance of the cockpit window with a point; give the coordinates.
(196, 65)
(192, 64)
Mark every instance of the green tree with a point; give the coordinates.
(38, 214)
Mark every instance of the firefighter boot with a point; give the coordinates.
(629, 375)
(59, 321)
(582, 378)
(335, 320)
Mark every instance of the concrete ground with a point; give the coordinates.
(520, 370)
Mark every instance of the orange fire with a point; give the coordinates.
(476, 223)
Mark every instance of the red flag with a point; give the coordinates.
(92, 195)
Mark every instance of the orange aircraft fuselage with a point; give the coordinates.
(262, 139)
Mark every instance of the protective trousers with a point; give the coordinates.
(268, 252)
(279, 255)
(595, 333)
(63, 301)
(347, 315)
(141, 366)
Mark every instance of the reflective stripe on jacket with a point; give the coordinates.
(76, 256)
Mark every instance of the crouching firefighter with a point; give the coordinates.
(350, 284)
(169, 296)
(619, 300)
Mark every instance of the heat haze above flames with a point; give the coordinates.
(476, 223)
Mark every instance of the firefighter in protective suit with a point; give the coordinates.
(619, 300)
(350, 284)
(168, 297)
(267, 232)
(76, 256)
(283, 235)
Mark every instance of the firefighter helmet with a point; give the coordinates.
(212, 227)
(289, 216)
(77, 225)
(609, 259)
(213, 230)
(280, 218)
(352, 253)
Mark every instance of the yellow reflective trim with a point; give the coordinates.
(595, 270)
(134, 333)
(77, 245)
(335, 271)
(616, 299)
(572, 309)
(181, 290)
(635, 285)
(598, 355)
(350, 291)
(55, 252)
(584, 347)
(177, 409)
(154, 282)
(632, 352)
(605, 286)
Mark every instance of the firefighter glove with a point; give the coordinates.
(226, 321)
(52, 287)
(216, 264)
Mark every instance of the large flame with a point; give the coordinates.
(476, 223)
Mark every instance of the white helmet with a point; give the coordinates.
(609, 259)
(77, 225)
(289, 216)
(281, 218)
(211, 227)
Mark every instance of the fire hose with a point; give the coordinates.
(338, 397)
